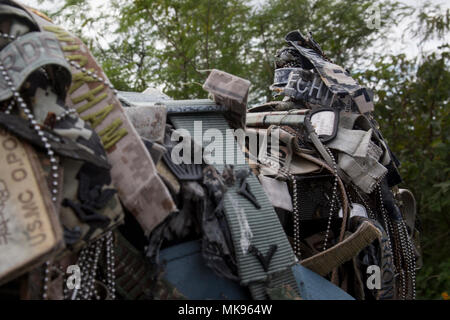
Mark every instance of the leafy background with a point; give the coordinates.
(169, 44)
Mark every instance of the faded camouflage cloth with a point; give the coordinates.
(30, 231)
(87, 203)
(149, 121)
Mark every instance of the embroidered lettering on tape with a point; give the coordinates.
(28, 53)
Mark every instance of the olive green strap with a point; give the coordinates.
(249, 226)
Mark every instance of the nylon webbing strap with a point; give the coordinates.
(249, 225)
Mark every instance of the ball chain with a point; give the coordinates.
(65, 113)
(384, 216)
(110, 265)
(333, 199)
(89, 262)
(7, 36)
(390, 233)
(10, 107)
(409, 255)
(406, 247)
(370, 212)
(297, 248)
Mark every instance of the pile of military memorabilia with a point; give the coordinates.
(94, 205)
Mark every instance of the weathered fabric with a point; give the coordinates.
(84, 214)
(366, 173)
(149, 122)
(133, 171)
(217, 246)
(250, 227)
(336, 78)
(265, 120)
(231, 91)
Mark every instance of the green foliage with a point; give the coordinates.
(433, 280)
(412, 109)
(432, 23)
(185, 38)
(169, 43)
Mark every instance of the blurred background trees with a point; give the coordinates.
(170, 44)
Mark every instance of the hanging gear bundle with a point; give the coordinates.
(327, 116)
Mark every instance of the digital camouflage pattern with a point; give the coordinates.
(285, 292)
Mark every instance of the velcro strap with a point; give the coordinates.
(249, 226)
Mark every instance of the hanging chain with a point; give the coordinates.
(333, 199)
(296, 214)
(384, 216)
(408, 253)
(10, 107)
(88, 261)
(369, 210)
(398, 271)
(110, 265)
(295, 207)
(404, 252)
